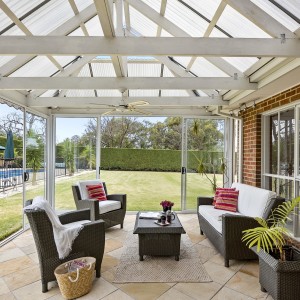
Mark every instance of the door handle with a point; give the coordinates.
(183, 170)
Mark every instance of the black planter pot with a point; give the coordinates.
(280, 278)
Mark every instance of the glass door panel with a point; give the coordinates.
(11, 170)
(75, 157)
(204, 158)
(142, 158)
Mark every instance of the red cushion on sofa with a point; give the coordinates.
(96, 191)
(218, 190)
(227, 200)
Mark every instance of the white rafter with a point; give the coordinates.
(17, 83)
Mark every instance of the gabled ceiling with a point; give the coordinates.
(184, 57)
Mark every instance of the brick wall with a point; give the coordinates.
(252, 133)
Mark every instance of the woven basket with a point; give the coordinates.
(78, 283)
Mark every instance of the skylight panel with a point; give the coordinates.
(4, 20)
(49, 17)
(49, 93)
(185, 18)
(40, 66)
(203, 68)
(64, 60)
(142, 24)
(94, 27)
(143, 93)
(238, 26)
(217, 33)
(109, 93)
(80, 93)
(174, 93)
(144, 70)
(13, 31)
(278, 14)
(155, 4)
(103, 70)
(182, 60)
(20, 8)
(167, 72)
(82, 4)
(165, 34)
(5, 59)
(206, 8)
(77, 32)
(202, 93)
(85, 71)
(241, 63)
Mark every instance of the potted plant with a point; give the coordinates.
(279, 263)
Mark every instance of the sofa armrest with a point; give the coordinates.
(118, 197)
(92, 204)
(74, 216)
(204, 201)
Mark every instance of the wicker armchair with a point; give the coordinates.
(229, 242)
(99, 209)
(89, 242)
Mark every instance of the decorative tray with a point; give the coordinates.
(160, 224)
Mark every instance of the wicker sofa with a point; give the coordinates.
(112, 211)
(224, 228)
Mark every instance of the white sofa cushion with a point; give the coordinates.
(108, 205)
(213, 216)
(82, 187)
(252, 201)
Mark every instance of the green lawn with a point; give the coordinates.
(145, 190)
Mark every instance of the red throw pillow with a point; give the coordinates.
(96, 191)
(227, 200)
(218, 190)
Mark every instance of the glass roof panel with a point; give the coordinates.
(49, 17)
(103, 70)
(143, 93)
(94, 27)
(217, 33)
(49, 93)
(155, 4)
(165, 34)
(109, 93)
(144, 70)
(203, 68)
(4, 20)
(20, 8)
(206, 8)
(142, 24)
(64, 60)
(278, 14)
(202, 93)
(167, 72)
(77, 32)
(241, 63)
(14, 31)
(185, 18)
(85, 71)
(238, 26)
(82, 4)
(183, 60)
(5, 59)
(174, 93)
(40, 66)
(80, 93)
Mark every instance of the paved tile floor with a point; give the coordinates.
(20, 278)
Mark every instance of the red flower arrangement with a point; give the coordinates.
(166, 203)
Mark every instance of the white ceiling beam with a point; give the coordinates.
(170, 27)
(76, 12)
(17, 83)
(63, 29)
(176, 46)
(259, 17)
(163, 7)
(96, 101)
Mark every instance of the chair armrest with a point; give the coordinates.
(118, 197)
(74, 216)
(204, 200)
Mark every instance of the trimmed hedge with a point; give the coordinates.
(151, 160)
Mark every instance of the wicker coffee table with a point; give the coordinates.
(158, 240)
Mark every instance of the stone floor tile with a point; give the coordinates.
(100, 289)
(195, 237)
(218, 273)
(15, 265)
(199, 291)
(11, 254)
(207, 243)
(28, 249)
(8, 296)
(112, 244)
(250, 268)
(23, 241)
(34, 257)
(108, 262)
(33, 291)
(228, 294)
(144, 291)
(234, 265)
(9, 245)
(117, 253)
(109, 275)
(117, 295)
(205, 253)
(3, 287)
(245, 284)
(173, 294)
(22, 277)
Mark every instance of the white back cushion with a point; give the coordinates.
(252, 200)
(82, 187)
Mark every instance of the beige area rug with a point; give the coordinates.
(159, 268)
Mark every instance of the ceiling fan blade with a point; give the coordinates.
(142, 112)
(138, 103)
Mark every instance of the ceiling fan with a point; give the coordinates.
(124, 107)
